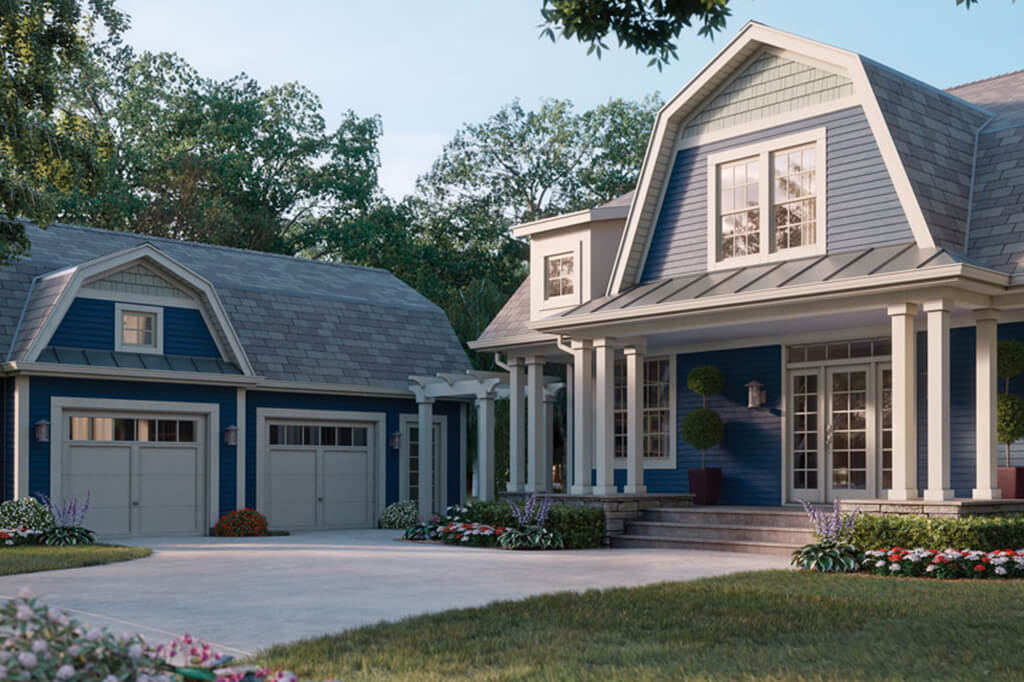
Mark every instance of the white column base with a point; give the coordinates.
(635, 490)
(909, 494)
(986, 494)
(580, 490)
(938, 495)
(534, 488)
(515, 488)
(604, 490)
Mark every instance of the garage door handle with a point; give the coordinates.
(135, 504)
(319, 499)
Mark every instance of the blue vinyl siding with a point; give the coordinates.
(90, 323)
(862, 206)
(392, 407)
(44, 388)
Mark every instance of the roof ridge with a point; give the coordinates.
(984, 80)
(189, 242)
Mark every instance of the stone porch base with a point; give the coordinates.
(954, 508)
(617, 508)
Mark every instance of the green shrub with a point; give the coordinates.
(494, 513)
(27, 512)
(1009, 360)
(705, 380)
(240, 523)
(702, 428)
(400, 514)
(580, 527)
(1009, 420)
(983, 533)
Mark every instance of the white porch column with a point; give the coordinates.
(516, 425)
(938, 400)
(583, 414)
(986, 387)
(535, 424)
(634, 422)
(425, 448)
(549, 440)
(904, 402)
(604, 408)
(485, 447)
(569, 434)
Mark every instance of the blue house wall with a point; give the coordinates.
(392, 407)
(89, 323)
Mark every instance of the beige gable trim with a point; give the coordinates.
(137, 279)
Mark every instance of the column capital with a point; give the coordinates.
(424, 400)
(635, 349)
(515, 361)
(535, 360)
(937, 305)
(898, 309)
(604, 342)
(984, 314)
(581, 344)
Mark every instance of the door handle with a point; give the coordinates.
(319, 499)
(828, 435)
(135, 503)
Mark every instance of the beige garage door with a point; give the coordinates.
(144, 475)
(319, 475)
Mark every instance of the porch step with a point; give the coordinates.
(730, 516)
(653, 542)
(790, 537)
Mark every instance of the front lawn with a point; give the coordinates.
(764, 625)
(32, 558)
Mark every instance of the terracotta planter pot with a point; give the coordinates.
(1011, 482)
(705, 484)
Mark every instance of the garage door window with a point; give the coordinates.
(339, 436)
(117, 429)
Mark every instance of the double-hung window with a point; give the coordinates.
(766, 201)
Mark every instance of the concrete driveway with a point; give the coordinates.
(243, 594)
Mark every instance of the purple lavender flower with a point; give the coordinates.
(532, 513)
(831, 527)
(68, 513)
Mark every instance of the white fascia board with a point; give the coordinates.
(519, 340)
(948, 274)
(558, 222)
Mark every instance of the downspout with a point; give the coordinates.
(970, 191)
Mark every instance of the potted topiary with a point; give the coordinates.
(703, 429)
(1010, 415)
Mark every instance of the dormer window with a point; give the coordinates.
(559, 275)
(139, 328)
(766, 201)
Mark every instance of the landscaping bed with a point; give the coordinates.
(782, 625)
(33, 558)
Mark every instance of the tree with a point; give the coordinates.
(649, 27)
(48, 49)
(222, 162)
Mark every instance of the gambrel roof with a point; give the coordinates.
(296, 320)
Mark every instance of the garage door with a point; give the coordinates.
(144, 475)
(319, 475)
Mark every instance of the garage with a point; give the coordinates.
(144, 474)
(319, 475)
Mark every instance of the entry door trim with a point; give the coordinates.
(378, 421)
(405, 421)
(209, 411)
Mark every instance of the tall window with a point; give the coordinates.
(559, 275)
(795, 215)
(656, 395)
(738, 205)
(138, 328)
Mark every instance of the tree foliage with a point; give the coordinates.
(48, 50)
(1009, 360)
(1009, 420)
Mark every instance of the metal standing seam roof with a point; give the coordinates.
(297, 319)
(105, 358)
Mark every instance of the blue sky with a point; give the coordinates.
(428, 66)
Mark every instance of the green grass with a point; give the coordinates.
(32, 558)
(778, 625)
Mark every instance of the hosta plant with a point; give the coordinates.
(68, 519)
(424, 530)
(825, 557)
(67, 536)
(399, 514)
(531, 537)
(27, 512)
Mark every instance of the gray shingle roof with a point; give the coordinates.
(1002, 95)
(997, 213)
(934, 136)
(510, 322)
(298, 320)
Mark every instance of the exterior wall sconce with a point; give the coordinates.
(42, 431)
(756, 395)
(396, 440)
(231, 435)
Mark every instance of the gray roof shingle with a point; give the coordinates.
(298, 320)
(511, 320)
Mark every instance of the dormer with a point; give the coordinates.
(571, 256)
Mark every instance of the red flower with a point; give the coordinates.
(979, 568)
(985, 559)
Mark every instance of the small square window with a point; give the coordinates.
(559, 275)
(138, 329)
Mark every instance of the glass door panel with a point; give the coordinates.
(805, 441)
(849, 432)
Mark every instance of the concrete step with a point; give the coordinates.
(652, 542)
(791, 537)
(729, 516)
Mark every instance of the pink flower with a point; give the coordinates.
(65, 672)
(24, 612)
(27, 659)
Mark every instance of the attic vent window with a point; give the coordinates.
(140, 329)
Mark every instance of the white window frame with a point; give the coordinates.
(158, 328)
(572, 296)
(764, 151)
(669, 460)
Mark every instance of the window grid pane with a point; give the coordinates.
(138, 329)
(739, 230)
(111, 429)
(795, 208)
(805, 431)
(655, 417)
(558, 275)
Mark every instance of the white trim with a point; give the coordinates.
(463, 449)
(574, 219)
(784, 445)
(148, 253)
(240, 450)
(138, 299)
(157, 348)
(377, 419)
(404, 422)
(764, 151)
(340, 389)
(209, 411)
(562, 300)
(670, 461)
(22, 437)
(132, 374)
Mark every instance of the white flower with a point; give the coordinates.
(27, 659)
(74, 650)
(24, 612)
(3, 672)
(53, 614)
(40, 646)
(110, 678)
(894, 567)
(65, 672)
(24, 593)
(879, 563)
(135, 650)
(1000, 570)
(931, 567)
(93, 635)
(5, 656)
